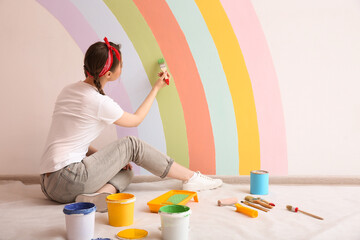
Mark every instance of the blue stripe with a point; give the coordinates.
(214, 82)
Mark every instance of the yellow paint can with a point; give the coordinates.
(121, 209)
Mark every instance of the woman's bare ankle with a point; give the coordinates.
(107, 188)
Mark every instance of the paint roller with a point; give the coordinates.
(239, 208)
(227, 201)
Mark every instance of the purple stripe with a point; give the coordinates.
(74, 23)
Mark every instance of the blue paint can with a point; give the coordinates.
(259, 182)
(79, 208)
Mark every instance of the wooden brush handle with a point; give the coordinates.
(254, 206)
(263, 204)
(311, 215)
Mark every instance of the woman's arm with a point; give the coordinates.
(133, 120)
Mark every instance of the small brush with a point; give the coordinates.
(255, 200)
(254, 206)
(292, 209)
(163, 68)
(263, 200)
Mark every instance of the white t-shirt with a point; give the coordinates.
(80, 114)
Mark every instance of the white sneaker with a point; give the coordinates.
(99, 199)
(201, 182)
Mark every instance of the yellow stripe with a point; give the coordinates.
(239, 83)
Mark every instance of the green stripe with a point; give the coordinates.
(171, 111)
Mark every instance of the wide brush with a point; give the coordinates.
(163, 68)
(255, 200)
(254, 206)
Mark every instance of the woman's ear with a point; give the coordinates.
(108, 74)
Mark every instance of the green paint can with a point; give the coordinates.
(175, 222)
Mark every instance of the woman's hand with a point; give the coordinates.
(127, 167)
(133, 120)
(160, 83)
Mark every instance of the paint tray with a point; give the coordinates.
(179, 197)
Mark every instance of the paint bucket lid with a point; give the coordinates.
(79, 208)
(175, 211)
(132, 233)
(259, 172)
(122, 198)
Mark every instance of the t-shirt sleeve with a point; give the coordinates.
(109, 110)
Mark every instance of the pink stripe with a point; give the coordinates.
(83, 34)
(247, 28)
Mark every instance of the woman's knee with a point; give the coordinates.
(135, 144)
(134, 140)
(129, 141)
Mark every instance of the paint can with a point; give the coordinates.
(259, 182)
(80, 220)
(121, 209)
(175, 222)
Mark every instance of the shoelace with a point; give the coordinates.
(206, 177)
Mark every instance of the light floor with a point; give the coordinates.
(25, 213)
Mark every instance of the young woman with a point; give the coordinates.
(73, 170)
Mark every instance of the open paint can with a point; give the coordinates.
(259, 182)
(175, 222)
(121, 209)
(80, 220)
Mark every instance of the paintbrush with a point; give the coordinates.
(255, 200)
(263, 200)
(163, 68)
(254, 206)
(292, 209)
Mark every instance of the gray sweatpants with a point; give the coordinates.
(104, 166)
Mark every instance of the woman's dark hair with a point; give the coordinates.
(95, 59)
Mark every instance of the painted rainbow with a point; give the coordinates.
(222, 114)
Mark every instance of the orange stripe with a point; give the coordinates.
(187, 80)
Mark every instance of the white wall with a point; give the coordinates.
(315, 47)
(38, 58)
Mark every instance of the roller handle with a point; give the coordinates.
(247, 211)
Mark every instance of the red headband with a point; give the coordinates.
(109, 60)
